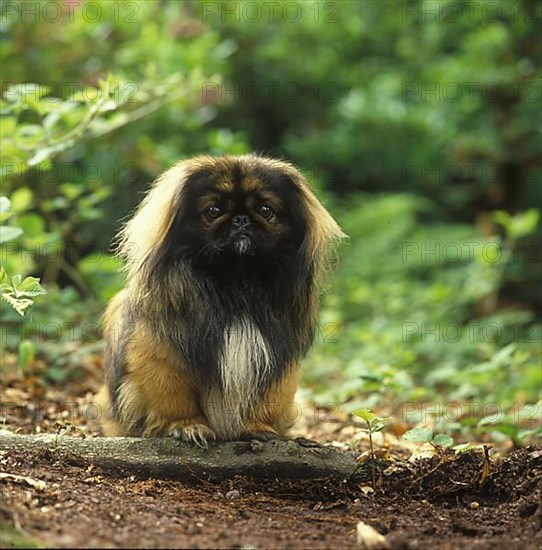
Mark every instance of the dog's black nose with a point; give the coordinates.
(241, 221)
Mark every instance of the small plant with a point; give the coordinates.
(25, 355)
(374, 425)
(425, 435)
(19, 293)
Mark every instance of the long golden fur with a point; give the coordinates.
(205, 340)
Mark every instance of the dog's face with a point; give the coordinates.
(234, 216)
(235, 212)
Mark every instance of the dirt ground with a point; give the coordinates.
(443, 501)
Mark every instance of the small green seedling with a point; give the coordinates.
(26, 355)
(374, 425)
(425, 435)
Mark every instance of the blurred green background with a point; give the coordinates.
(417, 122)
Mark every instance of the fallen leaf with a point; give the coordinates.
(369, 538)
(36, 483)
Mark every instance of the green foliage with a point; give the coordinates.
(425, 435)
(435, 120)
(406, 315)
(7, 232)
(374, 423)
(518, 424)
(26, 355)
(37, 126)
(102, 272)
(19, 293)
(63, 332)
(519, 225)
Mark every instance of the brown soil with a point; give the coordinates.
(446, 501)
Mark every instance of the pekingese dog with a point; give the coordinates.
(223, 260)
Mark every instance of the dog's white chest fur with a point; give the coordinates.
(245, 357)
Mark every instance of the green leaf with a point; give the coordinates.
(16, 282)
(31, 287)
(8, 126)
(26, 353)
(33, 226)
(365, 414)
(4, 205)
(19, 305)
(20, 293)
(57, 374)
(442, 440)
(108, 105)
(519, 225)
(502, 218)
(4, 216)
(30, 92)
(61, 109)
(524, 223)
(14, 160)
(377, 427)
(45, 153)
(419, 435)
(463, 447)
(21, 199)
(71, 190)
(29, 135)
(8, 233)
(487, 420)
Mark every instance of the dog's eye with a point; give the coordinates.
(213, 212)
(265, 211)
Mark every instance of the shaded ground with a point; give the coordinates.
(439, 502)
(444, 501)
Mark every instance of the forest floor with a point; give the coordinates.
(441, 499)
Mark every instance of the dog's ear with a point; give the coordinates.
(323, 232)
(145, 232)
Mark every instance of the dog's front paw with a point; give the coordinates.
(192, 432)
(259, 431)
